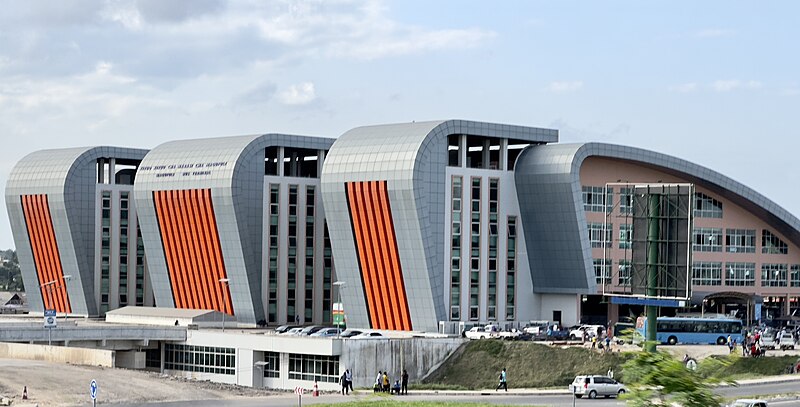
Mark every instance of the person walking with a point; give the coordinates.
(404, 386)
(343, 380)
(348, 376)
(378, 382)
(503, 382)
(385, 382)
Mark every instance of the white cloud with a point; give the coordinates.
(713, 33)
(684, 88)
(564, 87)
(300, 94)
(730, 85)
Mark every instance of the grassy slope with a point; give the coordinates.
(528, 364)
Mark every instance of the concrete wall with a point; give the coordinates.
(419, 356)
(131, 359)
(58, 354)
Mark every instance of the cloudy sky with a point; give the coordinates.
(715, 82)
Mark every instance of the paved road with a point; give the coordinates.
(560, 400)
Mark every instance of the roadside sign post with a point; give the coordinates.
(49, 324)
(574, 390)
(93, 392)
(299, 392)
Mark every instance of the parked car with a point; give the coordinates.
(536, 328)
(369, 335)
(786, 341)
(348, 333)
(512, 334)
(283, 328)
(477, 332)
(327, 332)
(293, 331)
(749, 403)
(311, 329)
(767, 342)
(591, 330)
(596, 385)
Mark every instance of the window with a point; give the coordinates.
(314, 367)
(707, 240)
(596, 237)
(602, 271)
(625, 236)
(740, 240)
(274, 221)
(491, 294)
(454, 150)
(327, 273)
(308, 308)
(475, 250)
(455, 248)
(773, 275)
(105, 251)
(626, 200)
(771, 244)
(594, 200)
(511, 268)
(202, 359)
(740, 274)
(273, 366)
(794, 277)
(706, 273)
(624, 273)
(706, 206)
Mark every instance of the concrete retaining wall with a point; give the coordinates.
(419, 356)
(58, 354)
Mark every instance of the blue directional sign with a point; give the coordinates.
(50, 318)
(93, 389)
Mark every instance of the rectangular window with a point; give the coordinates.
(771, 244)
(706, 206)
(274, 238)
(454, 150)
(602, 271)
(773, 275)
(707, 273)
(596, 236)
(625, 236)
(707, 239)
(272, 368)
(740, 274)
(200, 359)
(624, 273)
(511, 268)
(740, 240)
(626, 201)
(595, 200)
(314, 368)
(309, 276)
(491, 289)
(794, 277)
(105, 251)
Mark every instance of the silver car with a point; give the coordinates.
(596, 385)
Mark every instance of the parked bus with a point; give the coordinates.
(692, 330)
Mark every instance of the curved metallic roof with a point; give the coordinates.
(548, 181)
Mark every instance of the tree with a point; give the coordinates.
(10, 274)
(658, 379)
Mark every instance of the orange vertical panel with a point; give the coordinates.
(44, 251)
(169, 210)
(30, 222)
(355, 218)
(54, 259)
(217, 250)
(210, 261)
(167, 233)
(382, 232)
(180, 245)
(389, 296)
(402, 299)
(201, 249)
(193, 266)
(374, 277)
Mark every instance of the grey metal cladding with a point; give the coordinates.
(237, 190)
(555, 222)
(412, 158)
(69, 178)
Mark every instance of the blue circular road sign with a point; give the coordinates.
(93, 389)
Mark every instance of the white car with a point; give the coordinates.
(509, 335)
(369, 335)
(590, 329)
(293, 331)
(749, 403)
(477, 332)
(596, 385)
(536, 327)
(786, 341)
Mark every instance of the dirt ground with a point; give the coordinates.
(51, 384)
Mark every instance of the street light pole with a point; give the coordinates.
(339, 285)
(224, 282)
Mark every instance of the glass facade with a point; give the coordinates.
(455, 248)
(105, 251)
(740, 240)
(595, 200)
(706, 206)
(475, 249)
(740, 274)
(773, 275)
(291, 260)
(771, 244)
(602, 271)
(707, 273)
(596, 236)
(327, 277)
(309, 280)
(139, 267)
(124, 212)
(314, 367)
(707, 239)
(274, 222)
(511, 269)
(491, 289)
(203, 359)
(273, 366)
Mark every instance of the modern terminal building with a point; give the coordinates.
(75, 228)
(432, 226)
